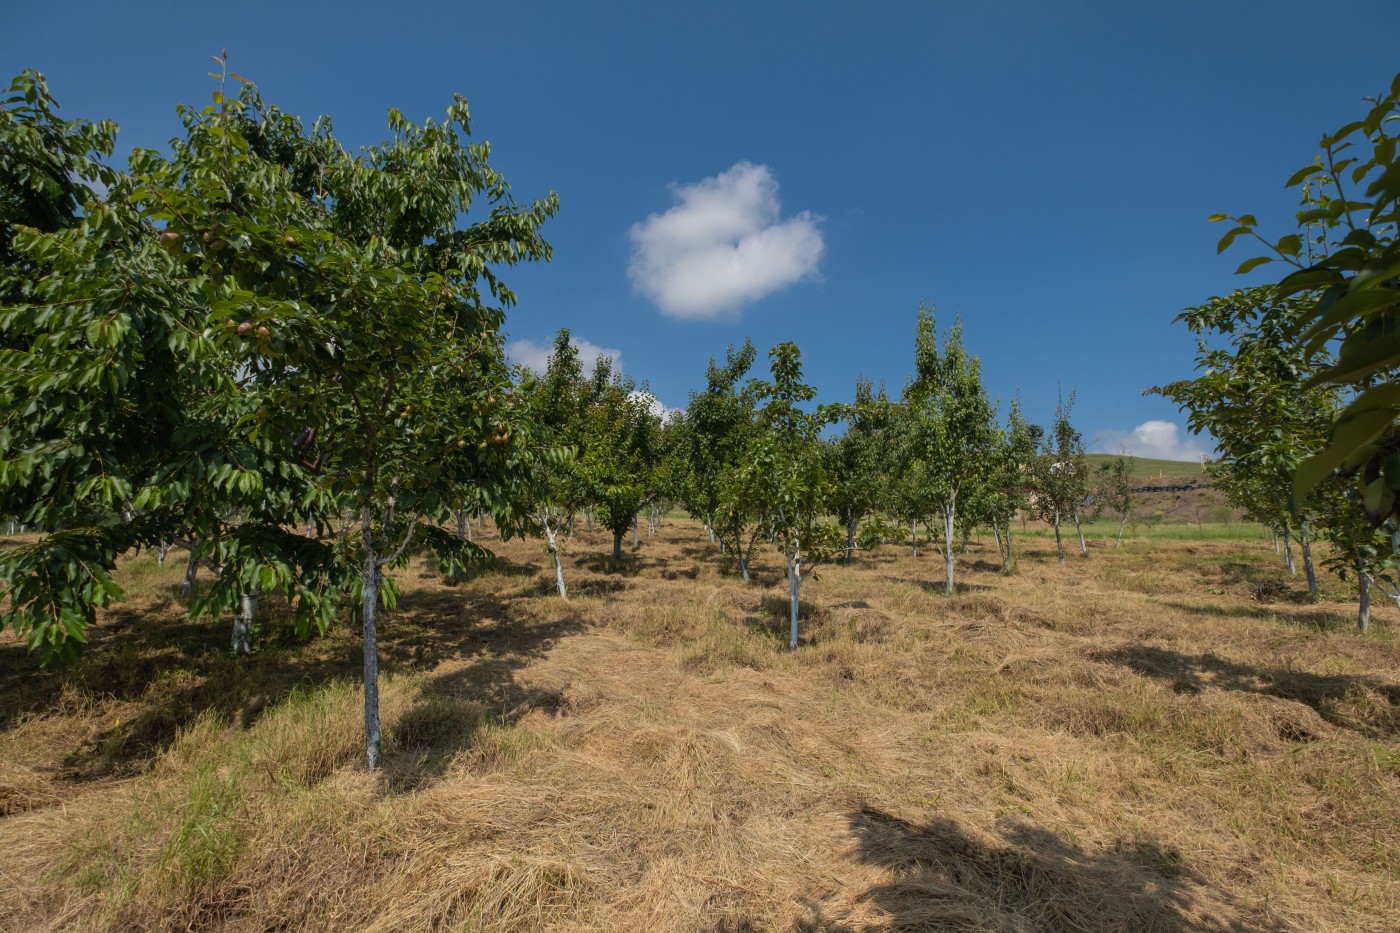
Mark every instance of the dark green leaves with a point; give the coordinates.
(1354, 275)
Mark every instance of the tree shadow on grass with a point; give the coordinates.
(1031, 879)
(475, 707)
(1363, 704)
(496, 566)
(176, 670)
(631, 565)
(1320, 620)
(773, 618)
(939, 587)
(1028, 879)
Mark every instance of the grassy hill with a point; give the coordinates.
(1146, 468)
(1136, 741)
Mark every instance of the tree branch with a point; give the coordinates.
(403, 545)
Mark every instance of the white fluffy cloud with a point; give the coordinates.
(722, 245)
(658, 407)
(1156, 440)
(535, 356)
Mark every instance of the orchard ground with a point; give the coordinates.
(1165, 737)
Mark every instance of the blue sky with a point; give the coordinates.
(814, 171)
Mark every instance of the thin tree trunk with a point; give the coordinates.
(243, 622)
(1010, 548)
(1001, 551)
(1059, 545)
(948, 516)
(191, 569)
(744, 568)
(914, 536)
(1306, 547)
(1079, 527)
(636, 533)
(464, 533)
(1288, 551)
(1275, 534)
(1363, 614)
(617, 545)
(794, 593)
(551, 535)
(852, 526)
(369, 609)
(1121, 522)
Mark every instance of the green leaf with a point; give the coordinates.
(1360, 356)
(1229, 238)
(1302, 175)
(1250, 264)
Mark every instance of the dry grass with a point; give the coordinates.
(1132, 742)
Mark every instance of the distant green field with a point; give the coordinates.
(1144, 467)
(1182, 531)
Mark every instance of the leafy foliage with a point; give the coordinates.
(1356, 281)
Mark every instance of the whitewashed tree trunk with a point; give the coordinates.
(794, 592)
(1288, 551)
(191, 570)
(1306, 547)
(914, 536)
(551, 535)
(996, 536)
(852, 527)
(949, 510)
(369, 609)
(243, 621)
(1363, 612)
(1122, 521)
(1059, 545)
(1079, 527)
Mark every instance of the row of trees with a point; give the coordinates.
(748, 457)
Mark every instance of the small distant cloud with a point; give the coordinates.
(658, 408)
(535, 356)
(723, 246)
(1154, 440)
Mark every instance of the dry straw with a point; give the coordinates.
(1131, 742)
